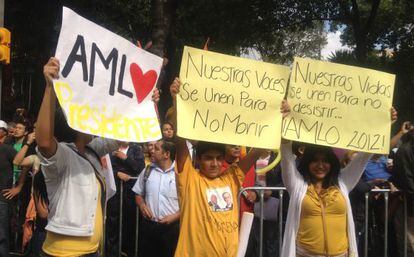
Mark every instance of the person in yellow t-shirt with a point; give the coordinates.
(209, 219)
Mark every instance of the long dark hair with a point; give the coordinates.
(39, 187)
(311, 151)
(63, 132)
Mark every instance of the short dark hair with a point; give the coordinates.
(167, 122)
(203, 147)
(408, 136)
(311, 151)
(24, 122)
(296, 145)
(63, 132)
(168, 146)
(225, 193)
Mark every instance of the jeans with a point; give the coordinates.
(270, 239)
(399, 227)
(128, 223)
(157, 240)
(38, 238)
(4, 228)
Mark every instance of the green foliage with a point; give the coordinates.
(294, 41)
(269, 26)
(391, 28)
(278, 30)
(129, 19)
(377, 60)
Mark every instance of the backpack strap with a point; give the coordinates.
(94, 153)
(147, 173)
(102, 183)
(101, 180)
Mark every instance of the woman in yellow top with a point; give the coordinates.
(320, 222)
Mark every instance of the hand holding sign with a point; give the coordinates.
(175, 88)
(51, 71)
(106, 82)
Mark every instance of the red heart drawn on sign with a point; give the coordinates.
(143, 83)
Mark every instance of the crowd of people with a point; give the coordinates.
(53, 197)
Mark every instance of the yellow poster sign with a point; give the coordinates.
(340, 106)
(230, 100)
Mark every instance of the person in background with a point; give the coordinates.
(357, 198)
(376, 175)
(23, 142)
(232, 156)
(3, 131)
(270, 211)
(167, 130)
(33, 216)
(148, 151)
(21, 172)
(19, 140)
(377, 168)
(7, 154)
(403, 177)
(156, 197)
(20, 112)
(11, 126)
(126, 162)
(41, 202)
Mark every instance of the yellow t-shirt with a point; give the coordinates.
(73, 246)
(311, 235)
(209, 212)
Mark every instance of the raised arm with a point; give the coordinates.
(181, 147)
(254, 154)
(46, 118)
(22, 153)
(247, 162)
(405, 127)
(351, 174)
(290, 174)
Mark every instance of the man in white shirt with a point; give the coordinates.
(156, 196)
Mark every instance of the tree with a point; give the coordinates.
(294, 41)
(369, 24)
(170, 24)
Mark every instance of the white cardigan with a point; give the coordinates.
(297, 187)
(72, 187)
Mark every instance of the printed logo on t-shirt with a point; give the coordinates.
(220, 199)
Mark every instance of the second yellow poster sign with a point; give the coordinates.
(338, 105)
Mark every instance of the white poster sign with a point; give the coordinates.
(105, 82)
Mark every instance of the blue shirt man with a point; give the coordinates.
(156, 196)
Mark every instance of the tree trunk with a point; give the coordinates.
(361, 30)
(361, 47)
(161, 14)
